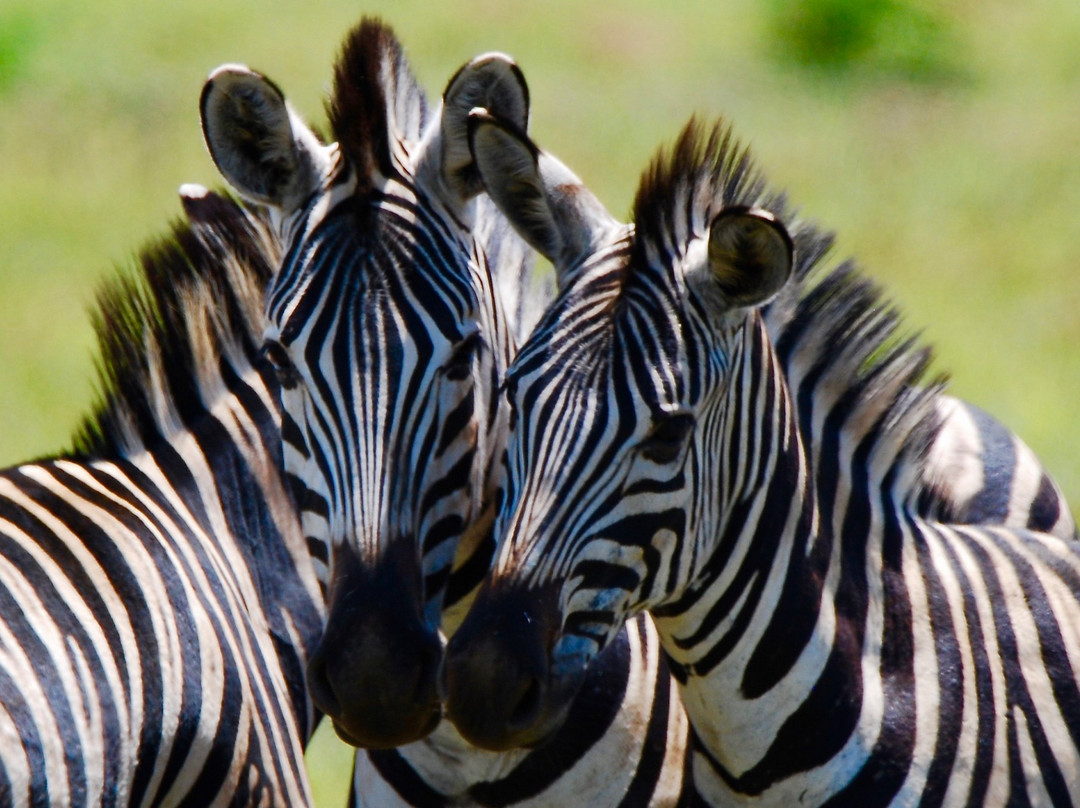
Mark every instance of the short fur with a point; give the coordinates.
(169, 532)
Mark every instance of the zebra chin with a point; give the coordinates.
(375, 671)
(370, 735)
(499, 686)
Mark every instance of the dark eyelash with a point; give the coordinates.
(460, 364)
(664, 444)
(275, 355)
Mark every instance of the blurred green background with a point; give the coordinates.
(941, 140)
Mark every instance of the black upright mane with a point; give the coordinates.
(376, 99)
(194, 301)
(834, 323)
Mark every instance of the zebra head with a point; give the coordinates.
(615, 396)
(379, 326)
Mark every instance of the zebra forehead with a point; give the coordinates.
(366, 258)
(376, 99)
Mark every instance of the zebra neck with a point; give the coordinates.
(749, 637)
(223, 474)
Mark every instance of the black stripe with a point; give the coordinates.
(591, 714)
(1045, 509)
(950, 681)
(399, 775)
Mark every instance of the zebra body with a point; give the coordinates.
(979, 472)
(158, 601)
(775, 498)
(391, 318)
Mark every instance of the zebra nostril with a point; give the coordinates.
(319, 687)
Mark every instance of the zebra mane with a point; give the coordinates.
(376, 99)
(166, 331)
(833, 329)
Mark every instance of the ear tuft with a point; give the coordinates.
(192, 190)
(203, 206)
(751, 255)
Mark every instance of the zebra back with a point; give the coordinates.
(976, 470)
(159, 602)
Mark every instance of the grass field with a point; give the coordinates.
(958, 190)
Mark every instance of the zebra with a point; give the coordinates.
(158, 603)
(766, 498)
(398, 303)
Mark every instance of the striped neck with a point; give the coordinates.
(257, 537)
(749, 638)
(188, 419)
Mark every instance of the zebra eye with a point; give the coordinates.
(664, 444)
(275, 355)
(459, 367)
(508, 388)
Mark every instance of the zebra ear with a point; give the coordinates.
(542, 198)
(491, 81)
(751, 255)
(259, 144)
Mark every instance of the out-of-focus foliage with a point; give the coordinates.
(18, 35)
(900, 39)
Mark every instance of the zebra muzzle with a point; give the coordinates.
(375, 671)
(497, 682)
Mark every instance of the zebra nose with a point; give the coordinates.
(377, 683)
(375, 671)
(496, 675)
